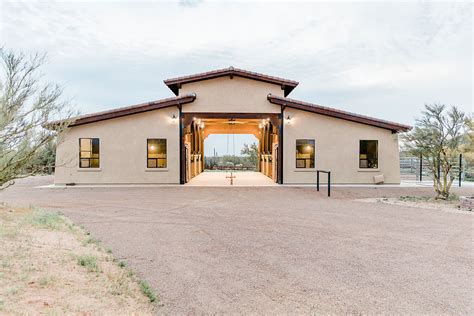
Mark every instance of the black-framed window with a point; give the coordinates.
(89, 153)
(305, 149)
(156, 153)
(368, 154)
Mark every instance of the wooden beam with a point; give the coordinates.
(280, 148)
(182, 150)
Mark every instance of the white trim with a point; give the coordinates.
(89, 169)
(156, 169)
(368, 170)
(304, 170)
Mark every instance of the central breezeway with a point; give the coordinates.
(240, 178)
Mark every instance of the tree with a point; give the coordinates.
(27, 104)
(251, 152)
(437, 137)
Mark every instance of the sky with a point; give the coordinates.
(381, 59)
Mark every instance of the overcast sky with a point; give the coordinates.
(382, 59)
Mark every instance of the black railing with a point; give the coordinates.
(329, 180)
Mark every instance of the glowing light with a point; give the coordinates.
(152, 147)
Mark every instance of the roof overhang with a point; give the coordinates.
(175, 83)
(128, 110)
(314, 108)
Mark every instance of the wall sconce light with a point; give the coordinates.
(288, 119)
(202, 125)
(174, 118)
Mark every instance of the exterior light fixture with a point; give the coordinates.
(202, 125)
(260, 125)
(288, 119)
(174, 118)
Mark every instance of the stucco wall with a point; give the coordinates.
(123, 149)
(337, 149)
(238, 95)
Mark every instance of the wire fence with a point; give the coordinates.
(416, 169)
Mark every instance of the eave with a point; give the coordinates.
(323, 110)
(128, 110)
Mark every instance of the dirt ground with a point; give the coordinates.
(50, 266)
(277, 249)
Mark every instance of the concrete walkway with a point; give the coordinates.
(242, 178)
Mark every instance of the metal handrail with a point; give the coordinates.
(329, 180)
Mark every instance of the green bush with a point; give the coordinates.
(146, 289)
(88, 261)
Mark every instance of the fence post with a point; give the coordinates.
(329, 183)
(460, 169)
(421, 168)
(317, 180)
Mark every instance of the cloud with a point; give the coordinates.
(385, 60)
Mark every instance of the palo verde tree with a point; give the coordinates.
(27, 104)
(251, 152)
(437, 137)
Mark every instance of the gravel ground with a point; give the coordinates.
(277, 249)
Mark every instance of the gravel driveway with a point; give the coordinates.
(276, 249)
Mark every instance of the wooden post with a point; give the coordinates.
(460, 169)
(280, 150)
(182, 150)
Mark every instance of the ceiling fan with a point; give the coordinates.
(234, 121)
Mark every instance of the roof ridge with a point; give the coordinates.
(175, 83)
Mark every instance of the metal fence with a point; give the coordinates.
(416, 169)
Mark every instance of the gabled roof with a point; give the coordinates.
(315, 108)
(175, 83)
(129, 110)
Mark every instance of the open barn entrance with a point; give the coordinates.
(196, 127)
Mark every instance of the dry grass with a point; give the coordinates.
(50, 266)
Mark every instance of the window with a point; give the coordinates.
(305, 153)
(368, 154)
(89, 153)
(156, 153)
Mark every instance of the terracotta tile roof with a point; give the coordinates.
(129, 110)
(315, 108)
(175, 83)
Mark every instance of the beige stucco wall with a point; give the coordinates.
(337, 149)
(237, 95)
(123, 147)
